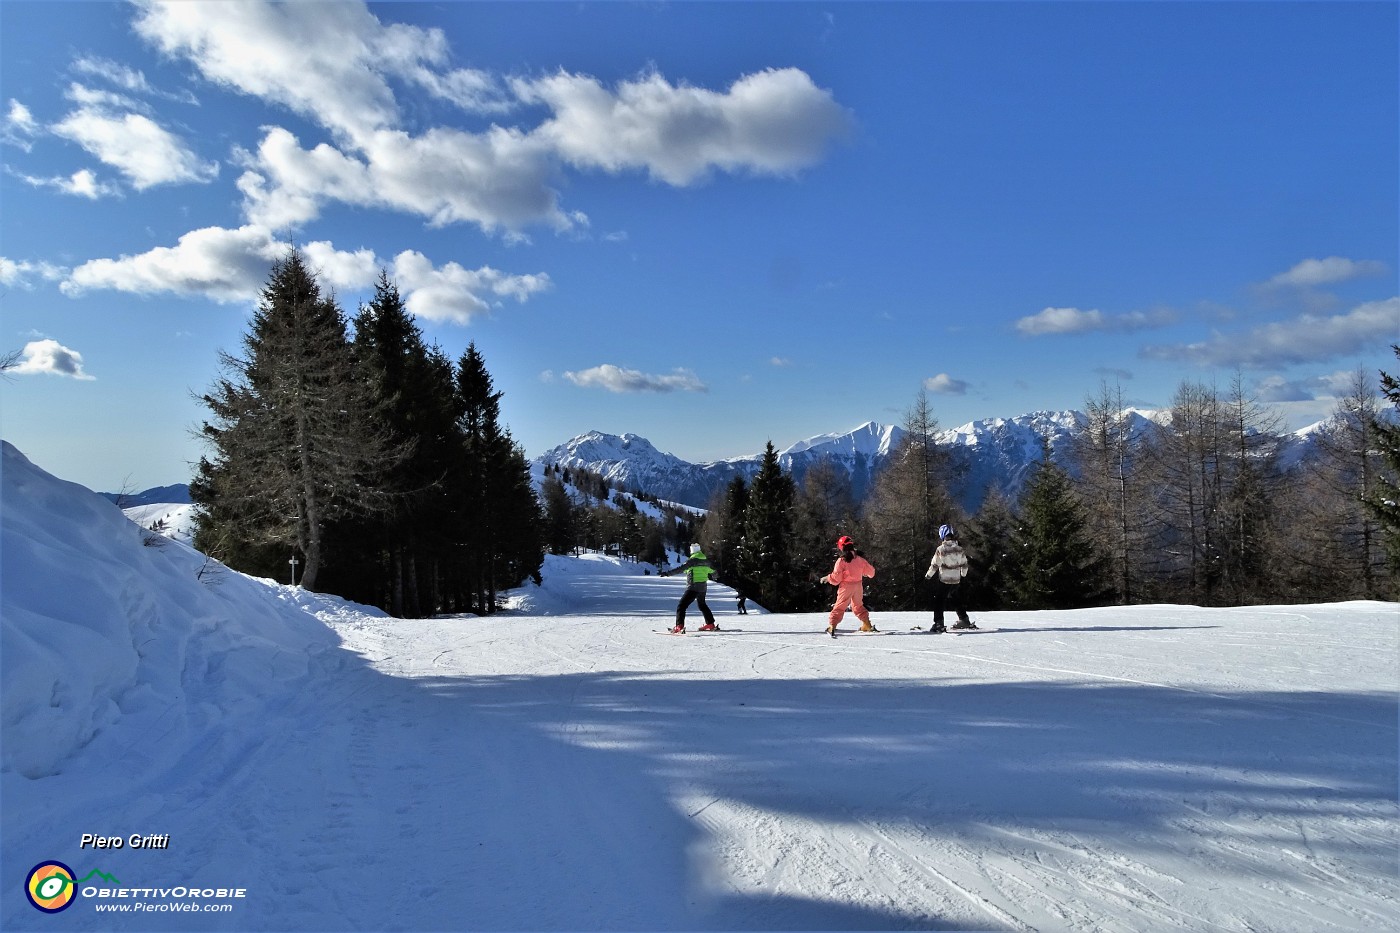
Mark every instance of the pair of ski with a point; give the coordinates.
(697, 631)
(952, 631)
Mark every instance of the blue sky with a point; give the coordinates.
(710, 224)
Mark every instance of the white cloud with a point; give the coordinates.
(944, 384)
(313, 58)
(212, 262)
(1308, 338)
(616, 379)
(113, 72)
(19, 128)
(456, 294)
(498, 179)
(1075, 321)
(772, 122)
(21, 273)
(780, 361)
(329, 62)
(333, 63)
(136, 146)
(232, 265)
(1313, 272)
(82, 183)
(52, 358)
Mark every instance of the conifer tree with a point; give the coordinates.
(766, 556)
(294, 449)
(722, 534)
(498, 516)
(1057, 564)
(988, 541)
(412, 391)
(825, 511)
(1385, 500)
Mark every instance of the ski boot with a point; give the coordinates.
(964, 624)
(867, 627)
(938, 629)
(709, 627)
(678, 630)
(831, 630)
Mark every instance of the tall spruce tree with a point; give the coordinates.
(1057, 564)
(294, 448)
(987, 539)
(766, 556)
(722, 534)
(499, 523)
(411, 386)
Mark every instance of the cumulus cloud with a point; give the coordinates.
(232, 265)
(497, 179)
(775, 121)
(1075, 321)
(944, 384)
(1315, 272)
(781, 362)
(616, 379)
(1309, 338)
(212, 262)
(455, 294)
(329, 62)
(334, 64)
(134, 145)
(52, 358)
(22, 273)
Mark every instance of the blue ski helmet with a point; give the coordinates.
(946, 531)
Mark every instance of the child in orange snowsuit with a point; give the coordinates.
(848, 576)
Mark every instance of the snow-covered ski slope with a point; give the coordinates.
(561, 767)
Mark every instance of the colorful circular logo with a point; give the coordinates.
(50, 887)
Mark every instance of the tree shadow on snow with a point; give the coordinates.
(918, 760)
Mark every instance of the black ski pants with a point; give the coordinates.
(950, 595)
(694, 594)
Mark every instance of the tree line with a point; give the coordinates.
(1205, 510)
(372, 458)
(381, 465)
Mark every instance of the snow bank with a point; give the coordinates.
(104, 623)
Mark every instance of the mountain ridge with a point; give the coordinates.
(991, 453)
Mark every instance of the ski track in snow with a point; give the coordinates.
(1151, 768)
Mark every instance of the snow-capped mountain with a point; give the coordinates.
(985, 454)
(994, 453)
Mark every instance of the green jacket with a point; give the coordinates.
(697, 570)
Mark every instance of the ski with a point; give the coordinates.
(696, 631)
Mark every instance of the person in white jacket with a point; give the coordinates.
(946, 570)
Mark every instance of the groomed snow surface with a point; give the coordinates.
(562, 766)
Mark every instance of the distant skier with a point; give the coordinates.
(697, 572)
(946, 570)
(848, 576)
(743, 611)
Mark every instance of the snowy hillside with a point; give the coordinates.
(308, 764)
(170, 519)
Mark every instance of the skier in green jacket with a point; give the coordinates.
(698, 572)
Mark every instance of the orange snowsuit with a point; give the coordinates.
(848, 576)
